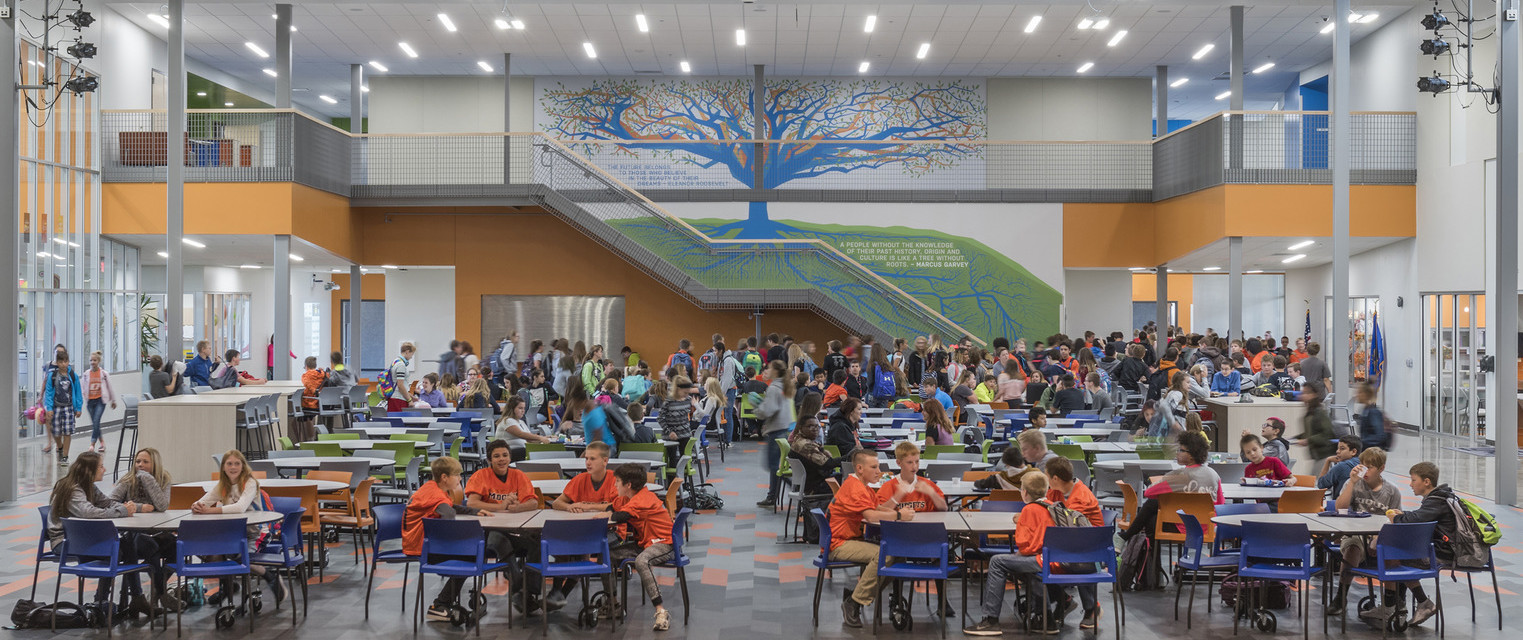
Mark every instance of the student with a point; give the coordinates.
(339, 374)
(1314, 369)
(856, 384)
(1227, 381)
(199, 368)
(1096, 398)
(930, 389)
(681, 359)
(649, 527)
(1371, 420)
(75, 495)
(432, 500)
(229, 375)
(511, 427)
(63, 400)
(1064, 489)
(1132, 370)
(1195, 476)
(148, 486)
(500, 488)
(590, 491)
(592, 370)
(98, 394)
(1365, 492)
(855, 505)
(477, 394)
(1030, 532)
(400, 396)
(1294, 371)
(1011, 382)
(635, 385)
(843, 427)
(677, 411)
(938, 427)
(1337, 467)
(1169, 419)
(235, 492)
(1423, 480)
(776, 416)
(805, 449)
(1277, 379)
(986, 390)
(428, 391)
(836, 392)
(162, 381)
(1318, 437)
(1067, 399)
(834, 360)
(908, 490)
(1262, 466)
(1275, 445)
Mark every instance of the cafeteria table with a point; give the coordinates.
(366, 445)
(556, 487)
(578, 465)
(170, 520)
(314, 462)
(1233, 492)
(387, 432)
(1145, 465)
(893, 465)
(1316, 524)
(322, 485)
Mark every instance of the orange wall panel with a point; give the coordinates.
(1188, 222)
(260, 208)
(1108, 235)
(324, 219)
(1181, 290)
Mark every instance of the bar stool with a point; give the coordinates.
(129, 423)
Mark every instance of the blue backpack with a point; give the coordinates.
(883, 382)
(683, 360)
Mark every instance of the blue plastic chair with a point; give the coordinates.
(43, 553)
(1082, 544)
(285, 553)
(388, 527)
(919, 552)
(985, 545)
(212, 538)
(91, 549)
(457, 538)
(1232, 533)
(395, 422)
(1194, 559)
(1279, 551)
(823, 562)
(915, 415)
(587, 540)
(679, 561)
(1404, 542)
(409, 414)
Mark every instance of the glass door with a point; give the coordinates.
(1454, 342)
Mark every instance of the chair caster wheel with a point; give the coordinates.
(1265, 621)
(256, 604)
(899, 614)
(459, 616)
(1366, 603)
(589, 617)
(225, 618)
(1397, 623)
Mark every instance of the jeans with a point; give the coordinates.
(97, 408)
(135, 548)
(865, 553)
(1002, 567)
(1147, 515)
(729, 427)
(770, 462)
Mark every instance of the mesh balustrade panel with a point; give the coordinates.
(220, 146)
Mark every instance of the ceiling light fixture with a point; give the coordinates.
(200, 94)
(257, 51)
(862, 68)
(193, 243)
(740, 37)
(502, 24)
(388, 266)
(1263, 67)
(1293, 258)
(163, 254)
(376, 64)
(365, 88)
(296, 258)
(1201, 53)
(1031, 24)
(641, 24)
(1211, 269)
(1101, 24)
(1116, 39)
(1086, 23)
(449, 25)
(1137, 269)
(328, 99)
(1086, 67)
(1329, 28)
(159, 20)
(271, 73)
(591, 53)
(1179, 83)
(518, 24)
(685, 67)
(407, 49)
(1301, 245)
(227, 104)
(248, 266)
(1354, 17)
(1368, 18)
(484, 66)
(925, 49)
(1224, 95)
(1255, 271)
(872, 21)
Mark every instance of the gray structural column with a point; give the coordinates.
(282, 56)
(355, 320)
(507, 118)
(1235, 288)
(1235, 74)
(356, 98)
(174, 218)
(282, 337)
(10, 253)
(1161, 100)
(1163, 307)
(1503, 418)
(759, 125)
(1337, 343)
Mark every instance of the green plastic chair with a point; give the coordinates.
(984, 449)
(834, 451)
(784, 469)
(324, 449)
(338, 436)
(1070, 451)
(454, 447)
(533, 447)
(937, 449)
(285, 444)
(653, 447)
(410, 437)
(403, 452)
(1079, 438)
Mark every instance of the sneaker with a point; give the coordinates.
(100, 447)
(985, 627)
(769, 502)
(1054, 626)
(1061, 611)
(1091, 619)
(169, 601)
(438, 613)
(555, 601)
(534, 605)
(1424, 610)
(851, 613)
(1377, 615)
(663, 620)
(1336, 607)
(47, 449)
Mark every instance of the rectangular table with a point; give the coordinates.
(1233, 416)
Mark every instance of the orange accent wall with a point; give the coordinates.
(1181, 290)
(1108, 235)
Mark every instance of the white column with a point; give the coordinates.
(10, 252)
(356, 98)
(1502, 419)
(282, 56)
(1337, 345)
(1161, 100)
(355, 306)
(174, 222)
(1235, 288)
(282, 357)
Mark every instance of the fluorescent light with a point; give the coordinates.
(1353, 17)
(1263, 67)
(160, 20)
(518, 24)
(227, 104)
(1179, 83)
(591, 53)
(376, 64)
(1116, 39)
(484, 66)
(1255, 271)
(271, 73)
(1224, 95)
(1368, 18)
(501, 24)
(1293, 258)
(684, 66)
(740, 37)
(192, 243)
(1137, 269)
(1102, 23)
(257, 51)
(449, 25)
(1211, 269)
(365, 88)
(328, 99)
(200, 94)
(1085, 23)
(862, 68)
(1086, 67)
(388, 266)
(872, 21)
(248, 266)
(163, 254)
(1301, 245)
(66, 243)
(44, 254)
(1201, 53)
(925, 49)
(1329, 28)
(1032, 23)
(407, 49)
(296, 258)
(293, 28)
(640, 23)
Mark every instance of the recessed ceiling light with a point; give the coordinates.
(1032, 23)
(271, 73)
(44, 254)
(641, 24)
(1263, 67)
(160, 20)
(1179, 83)
(484, 66)
(1354, 17)
(200, 94)
(1137, 269)
(163, 254)
(257, 51)
(591, 53)
(685, 67)
(365, 88)
(1255, 271)
(1101, 23)
(274, 16)
(1368, 18)
(518, 24)
(1086, 67)
(388, 266)
(502, 24)
(1086, 23)
(862, 68)
(376, 64)
(328, 99)
(1224, 95)
(296, 258)
(872, 21)
(293, 28)
(1201, 53)
(407, 49)
(1293, 258)
(740, 37)
(1116, 39)
(449, 25)
(227, 104)
(193, 243)
(248, 266)
(1301, 245)
(1329, 28)
(1211, 269)
(925, 49)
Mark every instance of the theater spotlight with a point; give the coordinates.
(82, 50)
(80, 19)
(1433, 84)
(1435, 47)
(82, 84)
(1435, 21)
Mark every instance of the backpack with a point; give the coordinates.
(1062, 516)
(754, 360)
(35, 615)
(228, 379)
(1264, 391)
(1471, 551)
(884, 384)
(1233, 587)
(1491, 532)
(1133, 568)
(740, 373)
(495, 360)
(707, 361)
(386, 384)
(330, 379)
(684, 360)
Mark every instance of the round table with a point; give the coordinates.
(366, 445)
(1239, 493)
(557, 487)
(386, 432)
(170, 520)
(424, 421)
(322, 485)
(1145, 465)
(579, 464)
(1317, 525)
(893, 465)
(314, 462)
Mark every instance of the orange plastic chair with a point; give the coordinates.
(311, 519)
(183, 497)
(975, 476)
(1006, 495)
(1306, 481)
(1128, 504)
(1298, 500)
(358, 520)
(258, 475)
(996, 406)
(673, 492)
(342, 496)
(1169, 528)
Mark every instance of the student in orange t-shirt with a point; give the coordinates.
(499, 488)
(1030, 532)
(836, 392)
(432, 500)
(1070, 493)
(644, 516)
(854, 505)
(906, 489)
(590, 491)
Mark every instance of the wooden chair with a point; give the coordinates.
(542, 475)
(1299, 500)
(1006, 495)
(183, 497)
(1306, 481)
(1128, 504)
(975, 476)
(998, 406)
(359, 521)
(833, 484)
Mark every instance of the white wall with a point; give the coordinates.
(446, 104)
(420, 307)
(1098, 300)
(304, 291)
(1263, 303)
(1070, 108)
(1385, 65)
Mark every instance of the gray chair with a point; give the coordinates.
(330, 405)
(1119, 435)
(1101, 457)
(794, 495)
(405, 484)
(1230, 472)
(125, 452)
(358, 469)
(528, 467)
(948, 472)
(293, 453)
(269, 468)
(547, 455)
(961, 457)
(1081, 471)
(200, 389)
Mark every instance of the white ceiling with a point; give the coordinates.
(235, 251)
(1268, 254)
(812, 39)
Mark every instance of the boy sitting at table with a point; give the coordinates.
(1423, 479)
(1337, 467)
(1275, 444)
(644, 517)
(432, 500)
(500, 488)
(1365, 492)
(590, 491)
(1030, 533)
(1069, 492)
(1261, 466)
(907, 490)
(854, 506)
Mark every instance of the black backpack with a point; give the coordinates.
(1133, 568)
(228, 379)
(35, 615)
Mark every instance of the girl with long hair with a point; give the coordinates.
(75, 495)
(776, 416)
(938, 427)
(235, 492)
